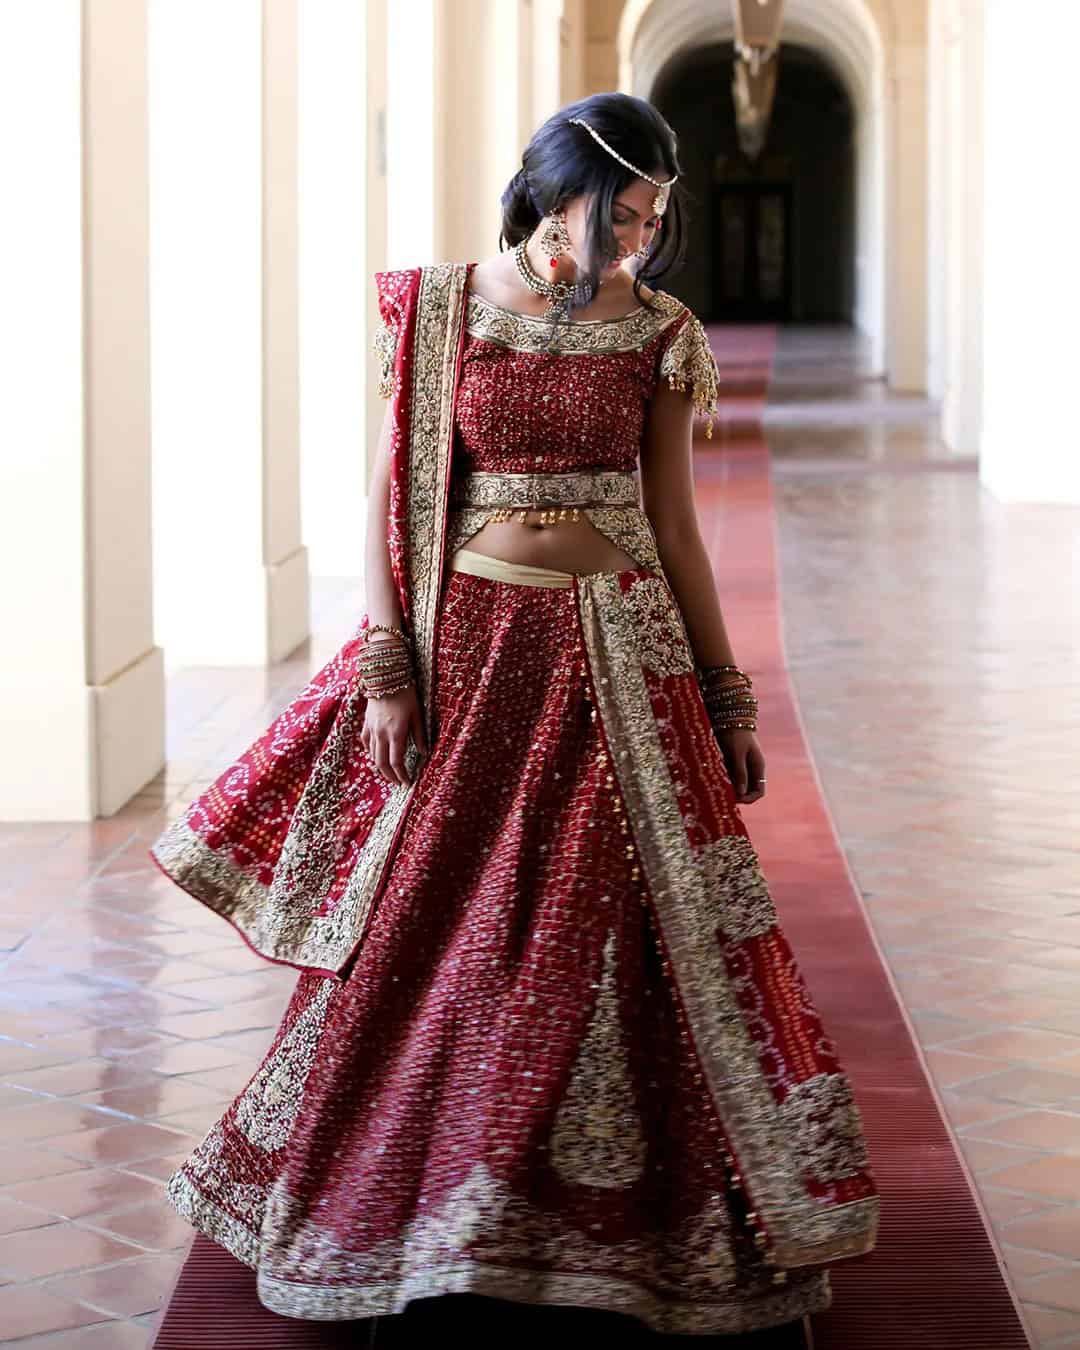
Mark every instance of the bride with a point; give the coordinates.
(549, 1042)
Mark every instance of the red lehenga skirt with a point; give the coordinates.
(502, 1095)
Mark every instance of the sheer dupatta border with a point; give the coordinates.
(291, 843)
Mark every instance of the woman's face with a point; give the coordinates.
(633, 222)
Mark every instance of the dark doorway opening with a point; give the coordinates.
(772, 237)
(751, 246)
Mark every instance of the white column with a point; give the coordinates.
(907, 224)
(336, 289)
(550, 55)
(1030, 435)
(414, 134)
(81, 683)
(469, 81)
(940, 29)
(956, 219)
(572, 53)
(231, 571)
(376, 205)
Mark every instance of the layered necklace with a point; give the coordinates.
(560, 294)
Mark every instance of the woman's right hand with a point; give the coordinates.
(387, 724)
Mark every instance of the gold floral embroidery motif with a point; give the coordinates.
(530, 333)
(597, 1137)
(683, 1281)
(440, 313)
(628, 528)
(660, 633)
(822, 1114)
(208, 1166)
(613, 487)
(267, 1109)
(384, 347)
(689, 364)
(736, 887)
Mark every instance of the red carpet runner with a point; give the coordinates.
(935, 1281)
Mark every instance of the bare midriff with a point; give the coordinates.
(566, 545)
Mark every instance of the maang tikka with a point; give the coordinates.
(659, 201)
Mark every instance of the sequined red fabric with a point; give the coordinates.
(535, 412)
(500, 1098)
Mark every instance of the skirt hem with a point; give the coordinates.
(321, 1303)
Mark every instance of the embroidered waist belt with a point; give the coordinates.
(602, 487)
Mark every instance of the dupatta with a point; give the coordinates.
(292, 844)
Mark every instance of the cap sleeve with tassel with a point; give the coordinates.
(688, 364)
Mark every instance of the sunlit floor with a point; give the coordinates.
(929, 635)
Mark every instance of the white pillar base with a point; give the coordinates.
(104, 743)
(127, 721)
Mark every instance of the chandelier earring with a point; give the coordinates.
(555, 240)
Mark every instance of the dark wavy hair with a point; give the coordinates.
(562, 161)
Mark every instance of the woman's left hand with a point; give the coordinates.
(745, 764)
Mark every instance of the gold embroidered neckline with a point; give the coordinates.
(532, 333)
(483, 302)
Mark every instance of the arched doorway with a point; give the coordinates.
(847, 39)
(775, 235)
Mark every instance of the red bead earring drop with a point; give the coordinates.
(555, 239)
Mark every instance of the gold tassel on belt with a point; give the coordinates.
(548, 515)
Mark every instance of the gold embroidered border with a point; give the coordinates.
(274, 922)
(731, 871)
(803, 1230)
(823, 1111)
(602, 486)
(238, 1236)
(266, 1110)
(689, 1281)
(582, 337)
(685, 1286)
(439, 313)
(659, 631)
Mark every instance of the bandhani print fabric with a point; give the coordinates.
(548, 1041)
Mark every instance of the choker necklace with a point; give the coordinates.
(558, 293)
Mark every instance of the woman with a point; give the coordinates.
(549, 1043)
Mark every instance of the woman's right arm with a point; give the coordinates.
(387, 720)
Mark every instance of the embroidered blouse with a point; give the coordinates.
(521, 408)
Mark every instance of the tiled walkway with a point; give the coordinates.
(932, 638)
(929, 636)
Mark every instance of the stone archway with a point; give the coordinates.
(773, 236)
(847, 35)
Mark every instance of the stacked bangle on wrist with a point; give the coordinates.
(386, 665)
(728, 697)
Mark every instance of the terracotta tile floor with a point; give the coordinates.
(932, 640)
(928, 635)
